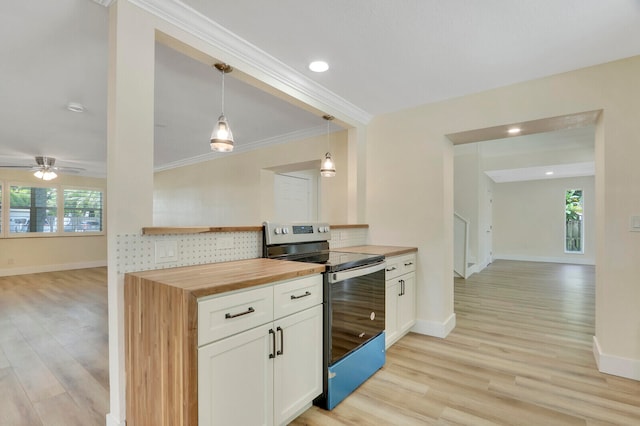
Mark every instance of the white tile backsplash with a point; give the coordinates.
(136, 252)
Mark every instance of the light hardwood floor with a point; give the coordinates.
(54, 348)
(520, 355)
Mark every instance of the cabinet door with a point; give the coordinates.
(391, 312)
(235, 380)
(407, 303)
(298, 365)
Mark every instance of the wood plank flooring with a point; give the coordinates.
(54, 348)
(521, 354)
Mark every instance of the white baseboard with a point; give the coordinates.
(615, 365)
(435, 328)
(112, 421)
(50, 268)
(569, 259)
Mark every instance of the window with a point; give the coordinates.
(52, 210)
(32, 209)
(82, 210)
(574, 221)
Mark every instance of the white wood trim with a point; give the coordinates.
(239, 50)
(568, 259)
(51, 268)
(615, 365)
(435, 328)
(112, 421)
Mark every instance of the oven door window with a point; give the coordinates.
(357, 312)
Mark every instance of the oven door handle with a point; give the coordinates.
(335, 277)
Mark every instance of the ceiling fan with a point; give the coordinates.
(45, 168)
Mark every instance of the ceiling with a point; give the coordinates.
(383, 56)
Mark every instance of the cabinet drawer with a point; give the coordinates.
(296, 295)
(392, 269)
(224, 316)
(400, 265)
(407, 263)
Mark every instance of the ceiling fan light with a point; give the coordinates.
(328, 168)
(221, 137)
(45, 175)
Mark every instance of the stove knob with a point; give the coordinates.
(285, 230)
(278, 231)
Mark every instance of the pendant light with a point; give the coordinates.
(221, 137)
(328, 168)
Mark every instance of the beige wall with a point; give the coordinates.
(407, 199)
(238, 189)
(528, 220)
(22, 255)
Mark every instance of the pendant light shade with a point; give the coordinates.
(221, 137)
(327, 168)
(45, 174)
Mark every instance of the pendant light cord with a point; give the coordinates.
(222, 108)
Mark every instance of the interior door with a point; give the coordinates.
(292, 198)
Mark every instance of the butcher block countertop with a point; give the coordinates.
(161, 331)
(214, 278)
(386, 251)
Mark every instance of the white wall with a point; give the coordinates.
(409, 203)
(238, 189)
(529, 220)
(466, 166)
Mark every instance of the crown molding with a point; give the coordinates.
(241, 51)
(105, 3)
(245, 147)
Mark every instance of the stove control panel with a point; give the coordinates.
(295, 232)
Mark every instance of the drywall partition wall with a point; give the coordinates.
(529, 220)
(465, 195)
(134, 28)
(238, 189)
(25, 255)
(410, 182)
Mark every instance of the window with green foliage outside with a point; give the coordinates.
(574, 221)
(82, 210)
(32, 209)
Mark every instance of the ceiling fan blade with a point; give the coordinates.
(19, 167)
(67, 169)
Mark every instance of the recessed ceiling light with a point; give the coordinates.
(75, 107)
(514, 130)
(549, 173)
(318, 66)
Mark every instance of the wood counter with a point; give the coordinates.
(386, 251)
(161, 342)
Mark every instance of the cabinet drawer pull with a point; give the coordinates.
(248, 311)
(281, 351)
(306, 293)
(393, 268)
(408, 264)
(272, 354)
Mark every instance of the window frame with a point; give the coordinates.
(582, 227)
(60, 188)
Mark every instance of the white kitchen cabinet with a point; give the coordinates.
(235, 380)
(267, 374)
(400, 298)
